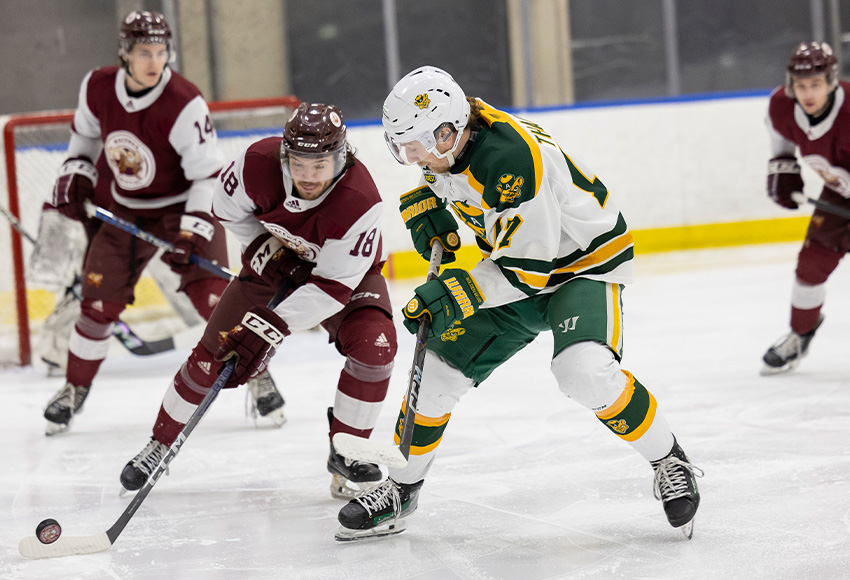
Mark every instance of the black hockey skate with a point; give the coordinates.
(676, 486)
(264, 400)
(380, 512)
(788, 351)
(137, 471)
(348, 474)
(63, 406)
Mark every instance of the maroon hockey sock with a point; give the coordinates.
(803, 321)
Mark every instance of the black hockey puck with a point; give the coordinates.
(48, 531)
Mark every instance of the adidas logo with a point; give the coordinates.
(205, 366)
(382, 341)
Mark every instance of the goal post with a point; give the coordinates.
(35, 145)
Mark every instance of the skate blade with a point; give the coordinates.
(346, 535)
(275, 419)
(767, 370)
(52, 428)
(124, 492)
(688, 529)
(342, 488)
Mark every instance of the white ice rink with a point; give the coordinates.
(527, 484)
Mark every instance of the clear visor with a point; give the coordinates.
(413, 151)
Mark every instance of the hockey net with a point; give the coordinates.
(35, 146)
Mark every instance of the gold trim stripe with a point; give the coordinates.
(622, 401)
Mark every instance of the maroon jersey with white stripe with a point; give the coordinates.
(339, 232)
(825, 146)
(156, 144)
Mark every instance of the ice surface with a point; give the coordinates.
(527, 485)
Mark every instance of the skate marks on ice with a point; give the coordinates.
(533, 488)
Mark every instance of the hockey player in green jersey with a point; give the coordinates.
(557, 254)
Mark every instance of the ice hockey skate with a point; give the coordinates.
(675, 486)
(137, 471)
(264, 401)
(788, 351)
(350, 477)
(380, 512)
(62, 408)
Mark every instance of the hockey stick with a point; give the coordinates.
(370, 451)
(133, 229)
(31, 547)
(120, 330)
(802, 198)
(15, 223)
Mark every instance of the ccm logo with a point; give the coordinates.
(266, 331)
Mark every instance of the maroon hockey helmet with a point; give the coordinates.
(811, 59)
(315, 130)
(143, 27)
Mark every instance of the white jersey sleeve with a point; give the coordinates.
(195, 140)
(85, 133)
(232, 205)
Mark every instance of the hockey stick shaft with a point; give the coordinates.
(134, 230)
(30, 547)
(371, 451)
(415, 379)
(821, 205)
(16, 223)
(113, 532)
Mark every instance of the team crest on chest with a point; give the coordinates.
(836, 178)
(130, 160)
(305, 250)
(422, 101)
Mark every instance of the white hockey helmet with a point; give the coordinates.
(422, 102)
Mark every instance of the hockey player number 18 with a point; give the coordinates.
(365, 244)
(228, 180)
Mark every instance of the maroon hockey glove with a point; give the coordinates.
(783, 179)
(75, 185)
(254, 342)
(267, 258)
(196, 233)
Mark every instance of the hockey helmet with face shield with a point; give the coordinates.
(144, 27)
(417, 110)
(811, 59)
(314, 132)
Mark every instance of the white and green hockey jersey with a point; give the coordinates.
(539, 217)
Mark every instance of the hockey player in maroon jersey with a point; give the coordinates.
(812, 112)
(154, 131)
(307, 211)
